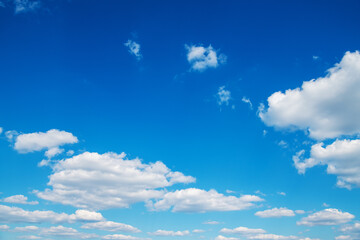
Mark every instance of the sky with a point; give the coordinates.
(219, 120)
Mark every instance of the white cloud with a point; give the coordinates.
(134, 48)
(17, 215)
(120, 237)
(102, 181)
(201, 58)
(22, 6)
(342, 158)
(330, 216)
(254, 233)
(1, 130)
(275, 212)
(10, 135)
(198, 231)
(110, 226)
(352, 231)
(170, 233)
(221, 237)
(326, 107)
(198, 200)
(247, 100)
(282, 193)
(38, 141)
(242, 231)
(4, 227)
(342, 237)
(52, 152)
(20, 199)
(223, 96)
(211, 222)
(30, 237)
(26, 229)
(66, 232)
(315, 57)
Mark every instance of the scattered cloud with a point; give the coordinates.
(242, 231)
(342, 158)
(19, 199)
(30, 142)
(327, 115)
(223, 96)
(109, 180)
(221, 237)
(330, 216)
(198, 200)
(170, 233)
(66, 232)
(26, 229)
(120, 237)
(134, 48)
(201, 58)
(247, 101)
(19, 215)
(352, 232)
(4, 227)
(253, 233)
(275, 213)
(23, 6)
(110, 226)
(30, 237)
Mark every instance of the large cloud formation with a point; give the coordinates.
(328, 107)
(102, 181)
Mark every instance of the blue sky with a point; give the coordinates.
(220, 120)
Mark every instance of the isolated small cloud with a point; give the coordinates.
(201, 58)
(275, 213)
(134, 48)
(223, 96)
(30, 142)
(19, 199)
(330, 216)
(247, 101)
(211, 222)
(170, 233)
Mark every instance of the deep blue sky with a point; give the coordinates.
(63, 65)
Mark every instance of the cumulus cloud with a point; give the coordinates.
(223, 96)
(19, 215)
(134, 48)
(38, 141)
(102, 181)
(198, 200)
(342, 158)
(330, 216)
(110, 226)
(170, 233)
(325, 106)
(275, 213)
(19, 199)
(201, 58)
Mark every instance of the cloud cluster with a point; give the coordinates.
(198, 200)
(19, 215)
(342, 158)
(330, 216)
(109, 180)
(201, 58)
(326, 107)
(223, 96)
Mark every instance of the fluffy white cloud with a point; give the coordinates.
(110, 226)
(330, 216)
(15, 214)
(198, 200)
(101, 181)
(326, 107)
(170, 233)
(202, 58)
(134, 48)
(275, 212)
(65, 232)
(38, 141)
(223, 96)
(20, 199)
(342, 158)
(22, 6)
